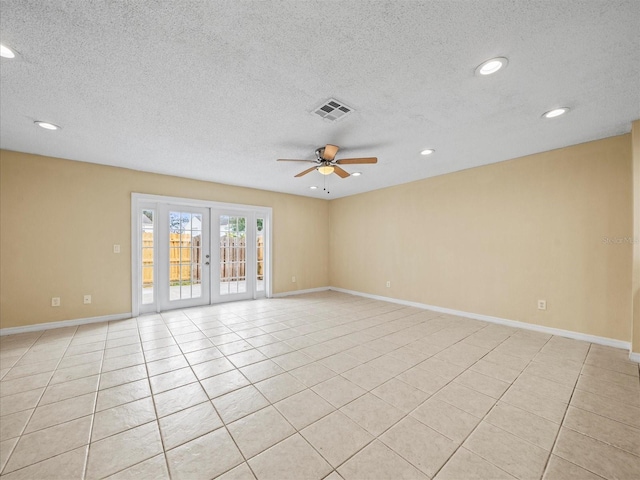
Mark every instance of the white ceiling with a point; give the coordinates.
(217, 90)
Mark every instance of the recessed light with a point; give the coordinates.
(356, 174)
(313, 188)
(47, 125)
(556, 112)
(491, 66)
(6, 52)
(428, 151)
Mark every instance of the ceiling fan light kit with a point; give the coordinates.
(326, 162)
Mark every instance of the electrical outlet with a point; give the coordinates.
(542, 304)
(293, 279)
(116, 249)
(388, 283)
(87, 299)
(55, 301)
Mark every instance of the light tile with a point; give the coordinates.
(401, 395)
(125, 375)
(68, 466)
(72, 373)
(367, 376)
(607, 407)
(185, 425)
(224, 383)
(178, 399)
(6, 448)
(630, 396)
(312, 374)
(245, 358)
(279, 387)
(336, 437)
(291, 459)
(123, 417)
(500, 372)
(424, 380)
(112, 397)
(176, 378)
(338, 391)
(340, 362)
(241, 472)
(446, 419)
(23, 384)
(421, 446)
(464, 398)
(12, 425)
(441, 368)
(523, 424)
(261, 371)
(604, 429)
(60, 412)
(378, 461)
(20, 401)
(372, 413)
(469, 466)
(544, 407)
(153, 469)
(595, 456)
(482, 383)
(166, 365)
(205, 457)
(560, 469)
(304, 408)
(508, 452)
(43, 444)
(134, 446)
(239, 403)
(260, 430)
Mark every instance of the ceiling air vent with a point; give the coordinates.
(332, 110)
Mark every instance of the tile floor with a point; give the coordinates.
(320, 386)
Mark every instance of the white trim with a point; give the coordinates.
(300, 292)
(64, 323)
(634, 357)
(609, 342)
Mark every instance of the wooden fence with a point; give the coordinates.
(185, 252)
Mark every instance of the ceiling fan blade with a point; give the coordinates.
(340, 172)
(352, 161)
(330, 152)
(305, 172)
(294, 160)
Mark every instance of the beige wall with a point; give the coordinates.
(495, 239)
(635, 133)
(59, 220)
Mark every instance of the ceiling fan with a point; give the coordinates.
(326, 163)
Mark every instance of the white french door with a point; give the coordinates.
(192, 253)
(185, 257)
(239, 257)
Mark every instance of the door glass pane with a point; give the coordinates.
(260, 255)
(233, 249)
(185, 259)
(147, 256)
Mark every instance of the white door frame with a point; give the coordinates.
(143, 200)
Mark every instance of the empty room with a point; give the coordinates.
(320, 240)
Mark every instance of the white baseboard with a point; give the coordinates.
(64, 323)
(634, 357)
(610, 342)
(300, 292)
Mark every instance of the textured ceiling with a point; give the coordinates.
(217, 90)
